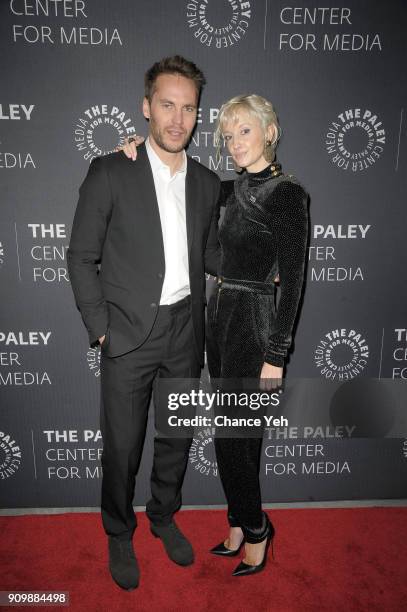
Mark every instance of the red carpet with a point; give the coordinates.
(329, 559)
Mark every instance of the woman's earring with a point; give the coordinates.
(268, 151)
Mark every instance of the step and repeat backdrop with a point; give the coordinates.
(72, 87)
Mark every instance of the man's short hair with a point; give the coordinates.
(175, 64)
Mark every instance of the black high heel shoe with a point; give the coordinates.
(222, 551)
(243, 569)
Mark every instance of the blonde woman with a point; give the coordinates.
(263, 234)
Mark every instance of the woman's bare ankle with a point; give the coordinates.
(254, 553)
(235, 538)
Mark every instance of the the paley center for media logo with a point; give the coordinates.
(218, 24)
(10, 455)
(202, 453)
(341, 354)
(355, 139)
(100, 129)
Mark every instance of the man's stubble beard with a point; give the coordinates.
(159, 140)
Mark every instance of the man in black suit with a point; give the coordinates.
(152, 226)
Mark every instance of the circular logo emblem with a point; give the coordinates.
(93, 360)
(10, 456)
(202, 453)
(218, 23)
(341, 355)
(100, 129)
(355, 139)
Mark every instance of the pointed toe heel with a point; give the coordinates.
(222, 551)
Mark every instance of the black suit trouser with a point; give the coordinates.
(127, 385)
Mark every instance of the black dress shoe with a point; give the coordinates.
(175, 543)
(123, 564)
(243, 569)
(223, 551)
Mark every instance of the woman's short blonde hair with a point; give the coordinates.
(258, 107)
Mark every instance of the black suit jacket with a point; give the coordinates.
(117, 224)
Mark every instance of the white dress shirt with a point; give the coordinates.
(170, 191)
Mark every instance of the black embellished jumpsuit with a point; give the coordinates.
(263, 233)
